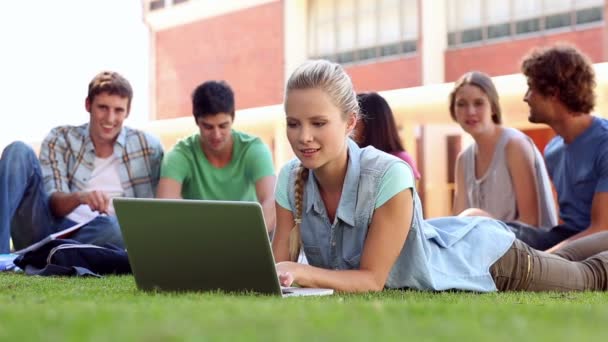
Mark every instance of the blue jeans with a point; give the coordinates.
(25, 213)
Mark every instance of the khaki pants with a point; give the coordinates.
(580, 265)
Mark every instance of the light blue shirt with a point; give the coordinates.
(398, 177)
(439, 254)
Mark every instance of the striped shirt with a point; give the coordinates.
(67, 157)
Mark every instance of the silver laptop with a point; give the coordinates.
(189, 245)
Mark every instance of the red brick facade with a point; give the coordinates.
(244, 48)
(385, 75)
(503, 58)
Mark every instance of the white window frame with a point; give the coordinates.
(455, 32)
(363, 52)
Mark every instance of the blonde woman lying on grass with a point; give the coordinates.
(356, 215)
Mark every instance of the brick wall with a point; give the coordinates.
(385, 75)
(245, 48)
(503, 58)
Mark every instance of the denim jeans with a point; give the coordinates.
(25, 213)
(581, 265)
(102, 230)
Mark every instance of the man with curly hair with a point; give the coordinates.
(561, 84)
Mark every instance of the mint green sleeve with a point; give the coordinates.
(175, 166)
(397, 178)
(280, 193)
(259, 161)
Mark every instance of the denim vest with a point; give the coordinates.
(439, 254)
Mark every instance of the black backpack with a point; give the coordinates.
(72, 258)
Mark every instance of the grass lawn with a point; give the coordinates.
(111, 308)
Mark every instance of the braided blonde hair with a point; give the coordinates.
(333, 80)
(295, 237)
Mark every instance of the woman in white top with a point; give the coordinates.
(502, 172)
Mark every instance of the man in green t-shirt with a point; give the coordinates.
(219, 163)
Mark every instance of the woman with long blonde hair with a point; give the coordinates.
(357, 217)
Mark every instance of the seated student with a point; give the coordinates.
(358, 218)
(79, 170)
(561, 84)
(219, 163)
(502, 172)
(377, 128)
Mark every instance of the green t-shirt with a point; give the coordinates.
(187, 164)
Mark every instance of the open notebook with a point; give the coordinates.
(190, 245)
(57, 235)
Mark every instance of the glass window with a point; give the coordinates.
(578, 4)
(471, 35)
(410, 19)
(390, 49)
(452, 15)
(558, 20)
(345, 57)
(157, 4)
(325, 28)
(505, 18)
(525, 9)
(452, 39)
(390, 29)
(499, 31)
(368, 53)
(312, 30)
(527, 26)
(497, 12)
(409, 46)
(346, 25)
(366, 28)
(589, 15)
(353, 30)
(469, 13)
(557, 6)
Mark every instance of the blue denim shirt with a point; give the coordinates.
(67, 157)
(438, 254)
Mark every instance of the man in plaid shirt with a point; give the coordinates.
(79, 171)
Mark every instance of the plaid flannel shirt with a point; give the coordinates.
(67, 158)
